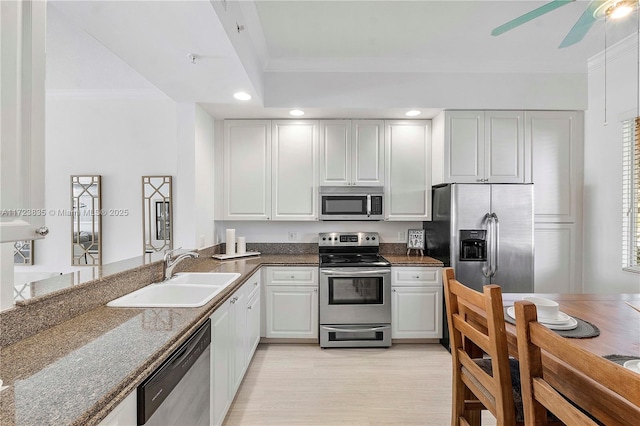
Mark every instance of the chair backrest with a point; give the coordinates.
(583, 387)
(477, 326)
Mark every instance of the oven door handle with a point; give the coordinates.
(351, 330)
(334, 272)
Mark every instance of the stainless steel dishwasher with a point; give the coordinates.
(178, 392)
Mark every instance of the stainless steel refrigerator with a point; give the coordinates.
(485, 232)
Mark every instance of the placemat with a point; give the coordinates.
(584, 330)
(619, 359)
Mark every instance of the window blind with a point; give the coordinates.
(631, 194)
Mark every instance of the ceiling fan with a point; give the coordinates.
(597, 9)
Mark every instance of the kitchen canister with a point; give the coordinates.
(242, 245)
(230, 243)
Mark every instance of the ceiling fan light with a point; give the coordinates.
(619, 9)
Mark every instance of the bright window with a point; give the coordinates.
(631, 194)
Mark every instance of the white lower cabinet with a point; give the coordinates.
(125, 413)
(416, 303)
(233, 342)
(292, 302)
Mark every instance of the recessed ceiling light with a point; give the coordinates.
(412, 113)
(242, 96)
(296, 112)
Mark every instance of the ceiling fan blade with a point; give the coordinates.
(546, 8)
(582, 26)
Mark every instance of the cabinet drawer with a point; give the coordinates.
(292, 276)
(416, 276)
(253, 284)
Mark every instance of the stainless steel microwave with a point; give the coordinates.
(351, 202)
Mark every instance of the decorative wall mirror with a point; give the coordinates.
(86, 221)
(23, 252)
(157, 213)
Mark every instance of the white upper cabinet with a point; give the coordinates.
(504, 147)
(407, 170)
(295, 170)
(352, 152)
(479, 147)
(22, 120)
(555, 138)
(247, 170)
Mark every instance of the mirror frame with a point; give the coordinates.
(91, 248)
(157, 213)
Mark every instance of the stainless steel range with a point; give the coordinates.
(355, 291)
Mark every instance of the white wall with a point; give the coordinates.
(204, 178)
(121, 140)
(602, 271)
(307, 232)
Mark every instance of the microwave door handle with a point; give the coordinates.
(368, 205)
(486, 269)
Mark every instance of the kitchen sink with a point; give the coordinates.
(187, 290)
(204, 278)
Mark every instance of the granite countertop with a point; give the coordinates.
(78, 371)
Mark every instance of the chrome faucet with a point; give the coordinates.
(170, 263)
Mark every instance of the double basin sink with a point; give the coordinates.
(184, 290)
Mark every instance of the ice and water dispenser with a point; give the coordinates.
(473, 245)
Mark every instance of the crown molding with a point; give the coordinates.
(621, 48)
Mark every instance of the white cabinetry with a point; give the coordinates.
(247, 169)
(233, 342)
(295, 170)
(125, 413)
(407, 170)
(352, 152)
(22, 121)
(556, 140)
(480, 146)
(416, 302)
(292, 302)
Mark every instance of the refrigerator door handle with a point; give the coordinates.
(495, 224)
(488, 222)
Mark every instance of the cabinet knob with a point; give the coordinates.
(394, 290)
(315, 290)
(417, 277)
(249, 307)
(256, 283)
(42, 231)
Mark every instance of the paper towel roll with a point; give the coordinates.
(231, 241)
(242, 245)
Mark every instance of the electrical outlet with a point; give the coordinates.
(401, 236)
(293, 236)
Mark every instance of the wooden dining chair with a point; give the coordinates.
(577, 386)
(476, 328)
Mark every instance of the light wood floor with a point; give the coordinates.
(293, 384)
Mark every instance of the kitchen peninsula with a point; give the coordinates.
(78, 371)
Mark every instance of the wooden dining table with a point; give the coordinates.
(613, 314)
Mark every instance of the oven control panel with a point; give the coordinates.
(348, 239)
